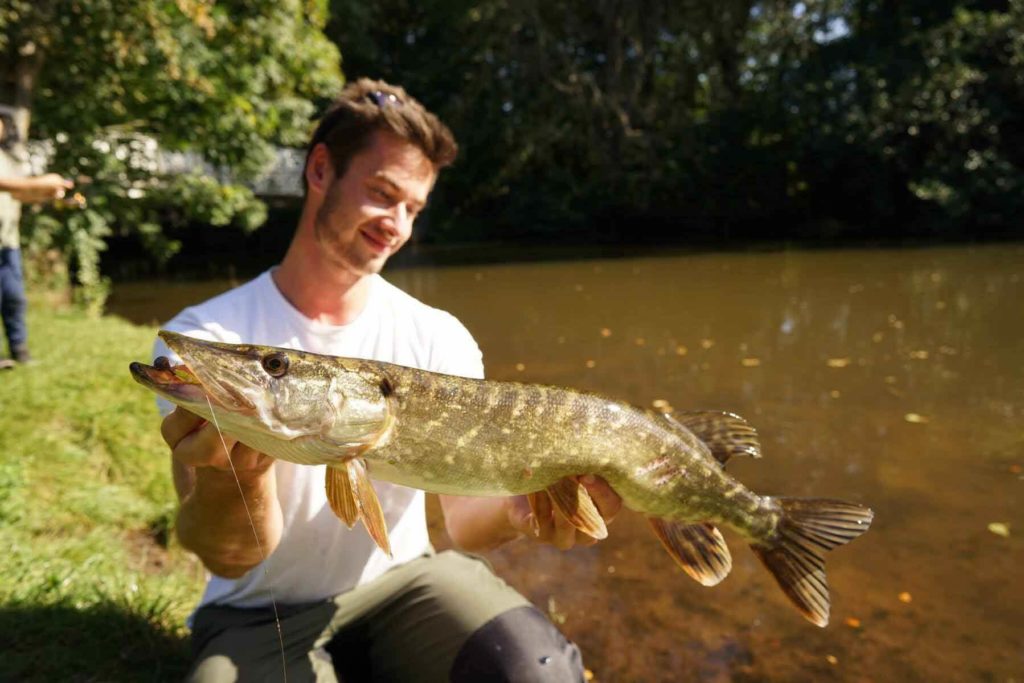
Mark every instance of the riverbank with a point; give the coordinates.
(94, 587)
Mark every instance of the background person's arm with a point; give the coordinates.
(34, 189)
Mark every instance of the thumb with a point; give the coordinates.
(520, 516)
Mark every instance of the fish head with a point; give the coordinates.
(273, 392)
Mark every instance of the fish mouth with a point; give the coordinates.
(174, 382)
(220, 370)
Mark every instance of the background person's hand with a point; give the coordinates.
(43, 188)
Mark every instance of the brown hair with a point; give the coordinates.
(366, 106)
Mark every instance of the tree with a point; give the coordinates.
(108, 82)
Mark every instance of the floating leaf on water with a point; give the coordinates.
(561, 340)
(919, 354)
(750, 362)
(831, 659)
(556, 616)
(661, 404)
(478, 276)
(905, 597)
(681, 350)
(890, 379)
(837, 362)
(611, 569)
(877, 337)
(834, 393)
(1015, 469)
(707, 343)
(520, 366)
(640, 341)
(605, 332)
(591, 363)
(947, 350)
(853, 622)
(915, 418)
(1000, 529)
(940, 305)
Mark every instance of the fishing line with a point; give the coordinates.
(263, 555)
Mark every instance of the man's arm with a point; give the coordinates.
(33, 189)
(212, 520)
(479, 524)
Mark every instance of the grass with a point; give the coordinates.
(89, 588)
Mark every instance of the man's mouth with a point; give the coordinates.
(377, 243)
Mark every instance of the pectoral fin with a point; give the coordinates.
(698, 548)
(351, 496)
(576, 505)
(369, 505)
(341, 496)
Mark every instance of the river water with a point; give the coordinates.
(894, 378)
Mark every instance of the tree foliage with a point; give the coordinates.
(656, 120)
(110, 83)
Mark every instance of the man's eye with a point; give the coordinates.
(380, 195)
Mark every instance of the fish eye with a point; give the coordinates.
(276, 364)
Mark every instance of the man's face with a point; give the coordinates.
(367, 214)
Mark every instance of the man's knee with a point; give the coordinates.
(520, 644)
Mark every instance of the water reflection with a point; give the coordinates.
(889, 377)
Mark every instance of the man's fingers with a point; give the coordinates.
(178, 424)
(564, 532)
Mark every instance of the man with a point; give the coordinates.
(345, 608)
(17, 188)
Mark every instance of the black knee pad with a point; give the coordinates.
(518, 646)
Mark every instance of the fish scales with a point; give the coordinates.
(529, 440)
(471, 437)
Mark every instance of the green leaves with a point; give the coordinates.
(122, 79)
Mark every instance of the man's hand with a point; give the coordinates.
(548, 525)
(196, 443)
(214, 521)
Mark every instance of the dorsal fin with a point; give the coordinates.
(726, 434)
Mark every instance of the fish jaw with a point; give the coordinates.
(177, 384)
(327, 403)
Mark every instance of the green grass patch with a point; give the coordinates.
(93, 586)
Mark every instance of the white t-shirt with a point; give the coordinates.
(318, 556)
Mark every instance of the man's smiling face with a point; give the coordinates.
(367, 214)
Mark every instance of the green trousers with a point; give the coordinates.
(437, 618)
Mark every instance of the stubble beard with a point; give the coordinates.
(345, 256)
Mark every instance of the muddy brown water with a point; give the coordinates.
(889, 377)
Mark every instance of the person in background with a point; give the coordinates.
(17, 187)
(345, 609)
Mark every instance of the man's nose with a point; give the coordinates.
(403, 222)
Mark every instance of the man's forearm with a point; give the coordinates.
(213, 522)
(477, 524)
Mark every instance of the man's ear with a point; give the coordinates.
(319, 170)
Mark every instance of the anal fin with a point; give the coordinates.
(698, 549)
(576, 505)
(351, 496)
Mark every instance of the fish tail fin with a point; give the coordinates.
(796, 556)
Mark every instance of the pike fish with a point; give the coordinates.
(371, 420)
